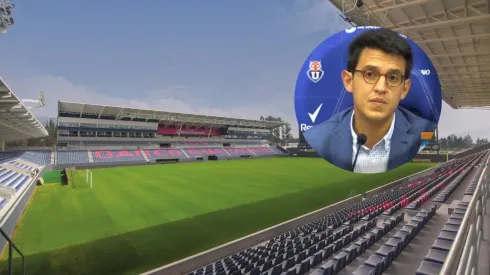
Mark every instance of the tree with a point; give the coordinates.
(481, 141)
(45, 141)
(461, 142)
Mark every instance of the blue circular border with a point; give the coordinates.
(424, 98)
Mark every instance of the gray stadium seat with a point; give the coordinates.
(428, 268)
(364, 270)
(388, 252)
(450, 228)
(377, 262)
(436, 256)
(442, 245)
(448, 236)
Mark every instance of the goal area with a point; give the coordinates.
(81, 178)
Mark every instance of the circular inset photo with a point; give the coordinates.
(368, 99)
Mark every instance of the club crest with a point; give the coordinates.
(315, 73)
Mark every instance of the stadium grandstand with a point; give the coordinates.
(88, 133)
(18, 170)
(83, 129)
(283, 213)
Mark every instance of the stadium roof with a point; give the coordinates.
(16, 121)
(455, 34)
(169, 118)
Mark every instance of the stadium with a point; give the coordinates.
(135, 191)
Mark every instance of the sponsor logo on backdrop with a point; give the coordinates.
(426, 136)
(421, 160)
(305, 127)
(351, 30)
(188, 132)
(313, 116)
(191, 132)
(315, 73)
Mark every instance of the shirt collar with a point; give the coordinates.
(386, 139)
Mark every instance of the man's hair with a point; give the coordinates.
(384, 40)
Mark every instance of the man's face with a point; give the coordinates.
(377, 100)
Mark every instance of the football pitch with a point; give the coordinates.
(141, 217)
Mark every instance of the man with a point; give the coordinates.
(378, 76)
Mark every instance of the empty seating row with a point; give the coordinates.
(12, 179)
(434, 260)
(23, 166)
(435, 187)
(292, 256)
(156, 143)
(386, 254)
(335, 229)
(328, 223)
(365, 209)
(41, 157)
(444, 194)
(418, 188)
(345, 257)
(71, 157)
(470, 190)
(6, 157)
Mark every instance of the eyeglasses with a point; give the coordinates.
(393, 79)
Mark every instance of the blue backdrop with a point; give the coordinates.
(324, 87)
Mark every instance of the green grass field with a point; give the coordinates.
(138, 218)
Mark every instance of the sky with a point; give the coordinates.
(213, 57)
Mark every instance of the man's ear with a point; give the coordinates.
(406, 88)
(347, 80)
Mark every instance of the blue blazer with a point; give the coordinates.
(332, 139)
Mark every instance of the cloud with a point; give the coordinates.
(313, 16)
(171, 98)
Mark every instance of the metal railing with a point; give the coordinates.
(11, 247)
(463, 255)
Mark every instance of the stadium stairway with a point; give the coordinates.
(369, 237)
(226, 151)
(90, 157)
(253, 153)
(185, 154)
(144, 155)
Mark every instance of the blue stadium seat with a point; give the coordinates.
(71, 157)
(42, 157)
